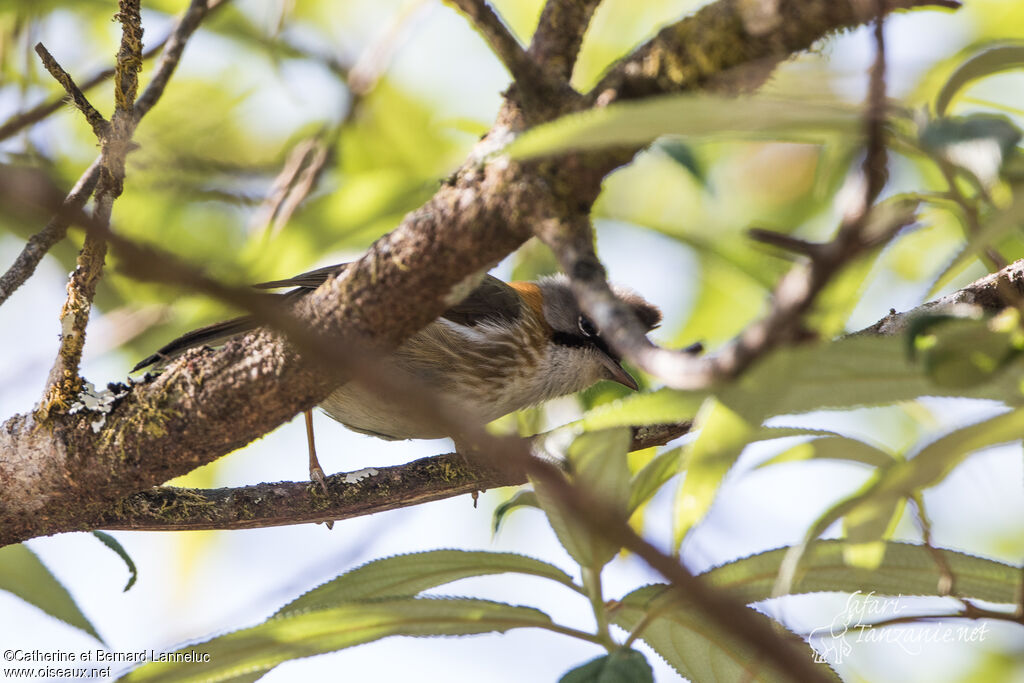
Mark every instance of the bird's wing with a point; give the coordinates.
(221, 332)
(491, 301)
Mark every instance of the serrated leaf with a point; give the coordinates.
(693, 116)
(23, 574)
(861, 370)
(693, 646)
(112, 543)
(621, 666)
(878, 501)
(409, 575)
(906, 569)
(723, 435)
(305, 633)
(832, 448)
(599, 463)
(664, 406)
(992, 60)
(521, 498)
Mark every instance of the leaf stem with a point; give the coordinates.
(592, 584)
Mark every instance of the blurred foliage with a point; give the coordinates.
(263, 97)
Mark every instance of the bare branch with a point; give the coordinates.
(115, 140)
(95, 119)
(559, 34)
(55, 230)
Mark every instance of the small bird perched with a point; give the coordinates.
(504, 347)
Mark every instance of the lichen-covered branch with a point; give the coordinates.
(349, 494)
(115, 141)
(735, 44)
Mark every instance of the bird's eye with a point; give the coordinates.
(587, 327)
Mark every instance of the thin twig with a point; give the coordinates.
(56, 228)
(24, 119)
(572, 243)
(115, 140)
(95, 119)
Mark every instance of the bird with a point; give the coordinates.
(504, 347)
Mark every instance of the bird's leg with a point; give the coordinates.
(316, 473)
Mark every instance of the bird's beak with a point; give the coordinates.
(616, 373)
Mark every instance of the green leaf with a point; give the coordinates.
(990, 61)
(598, 461)
(723, 435)
(696, 648)
(664, 406)
(114, 545)
(878, 502)
(906, 569)
(653, 476)
(936, 460)
(861, 370)
(240, 654)
(521, 498)
(621, 666)
(832, 448)
(694, 116)
(409, 575)
(23, 574)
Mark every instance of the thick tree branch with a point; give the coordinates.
(349, 494)
(734, 34)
